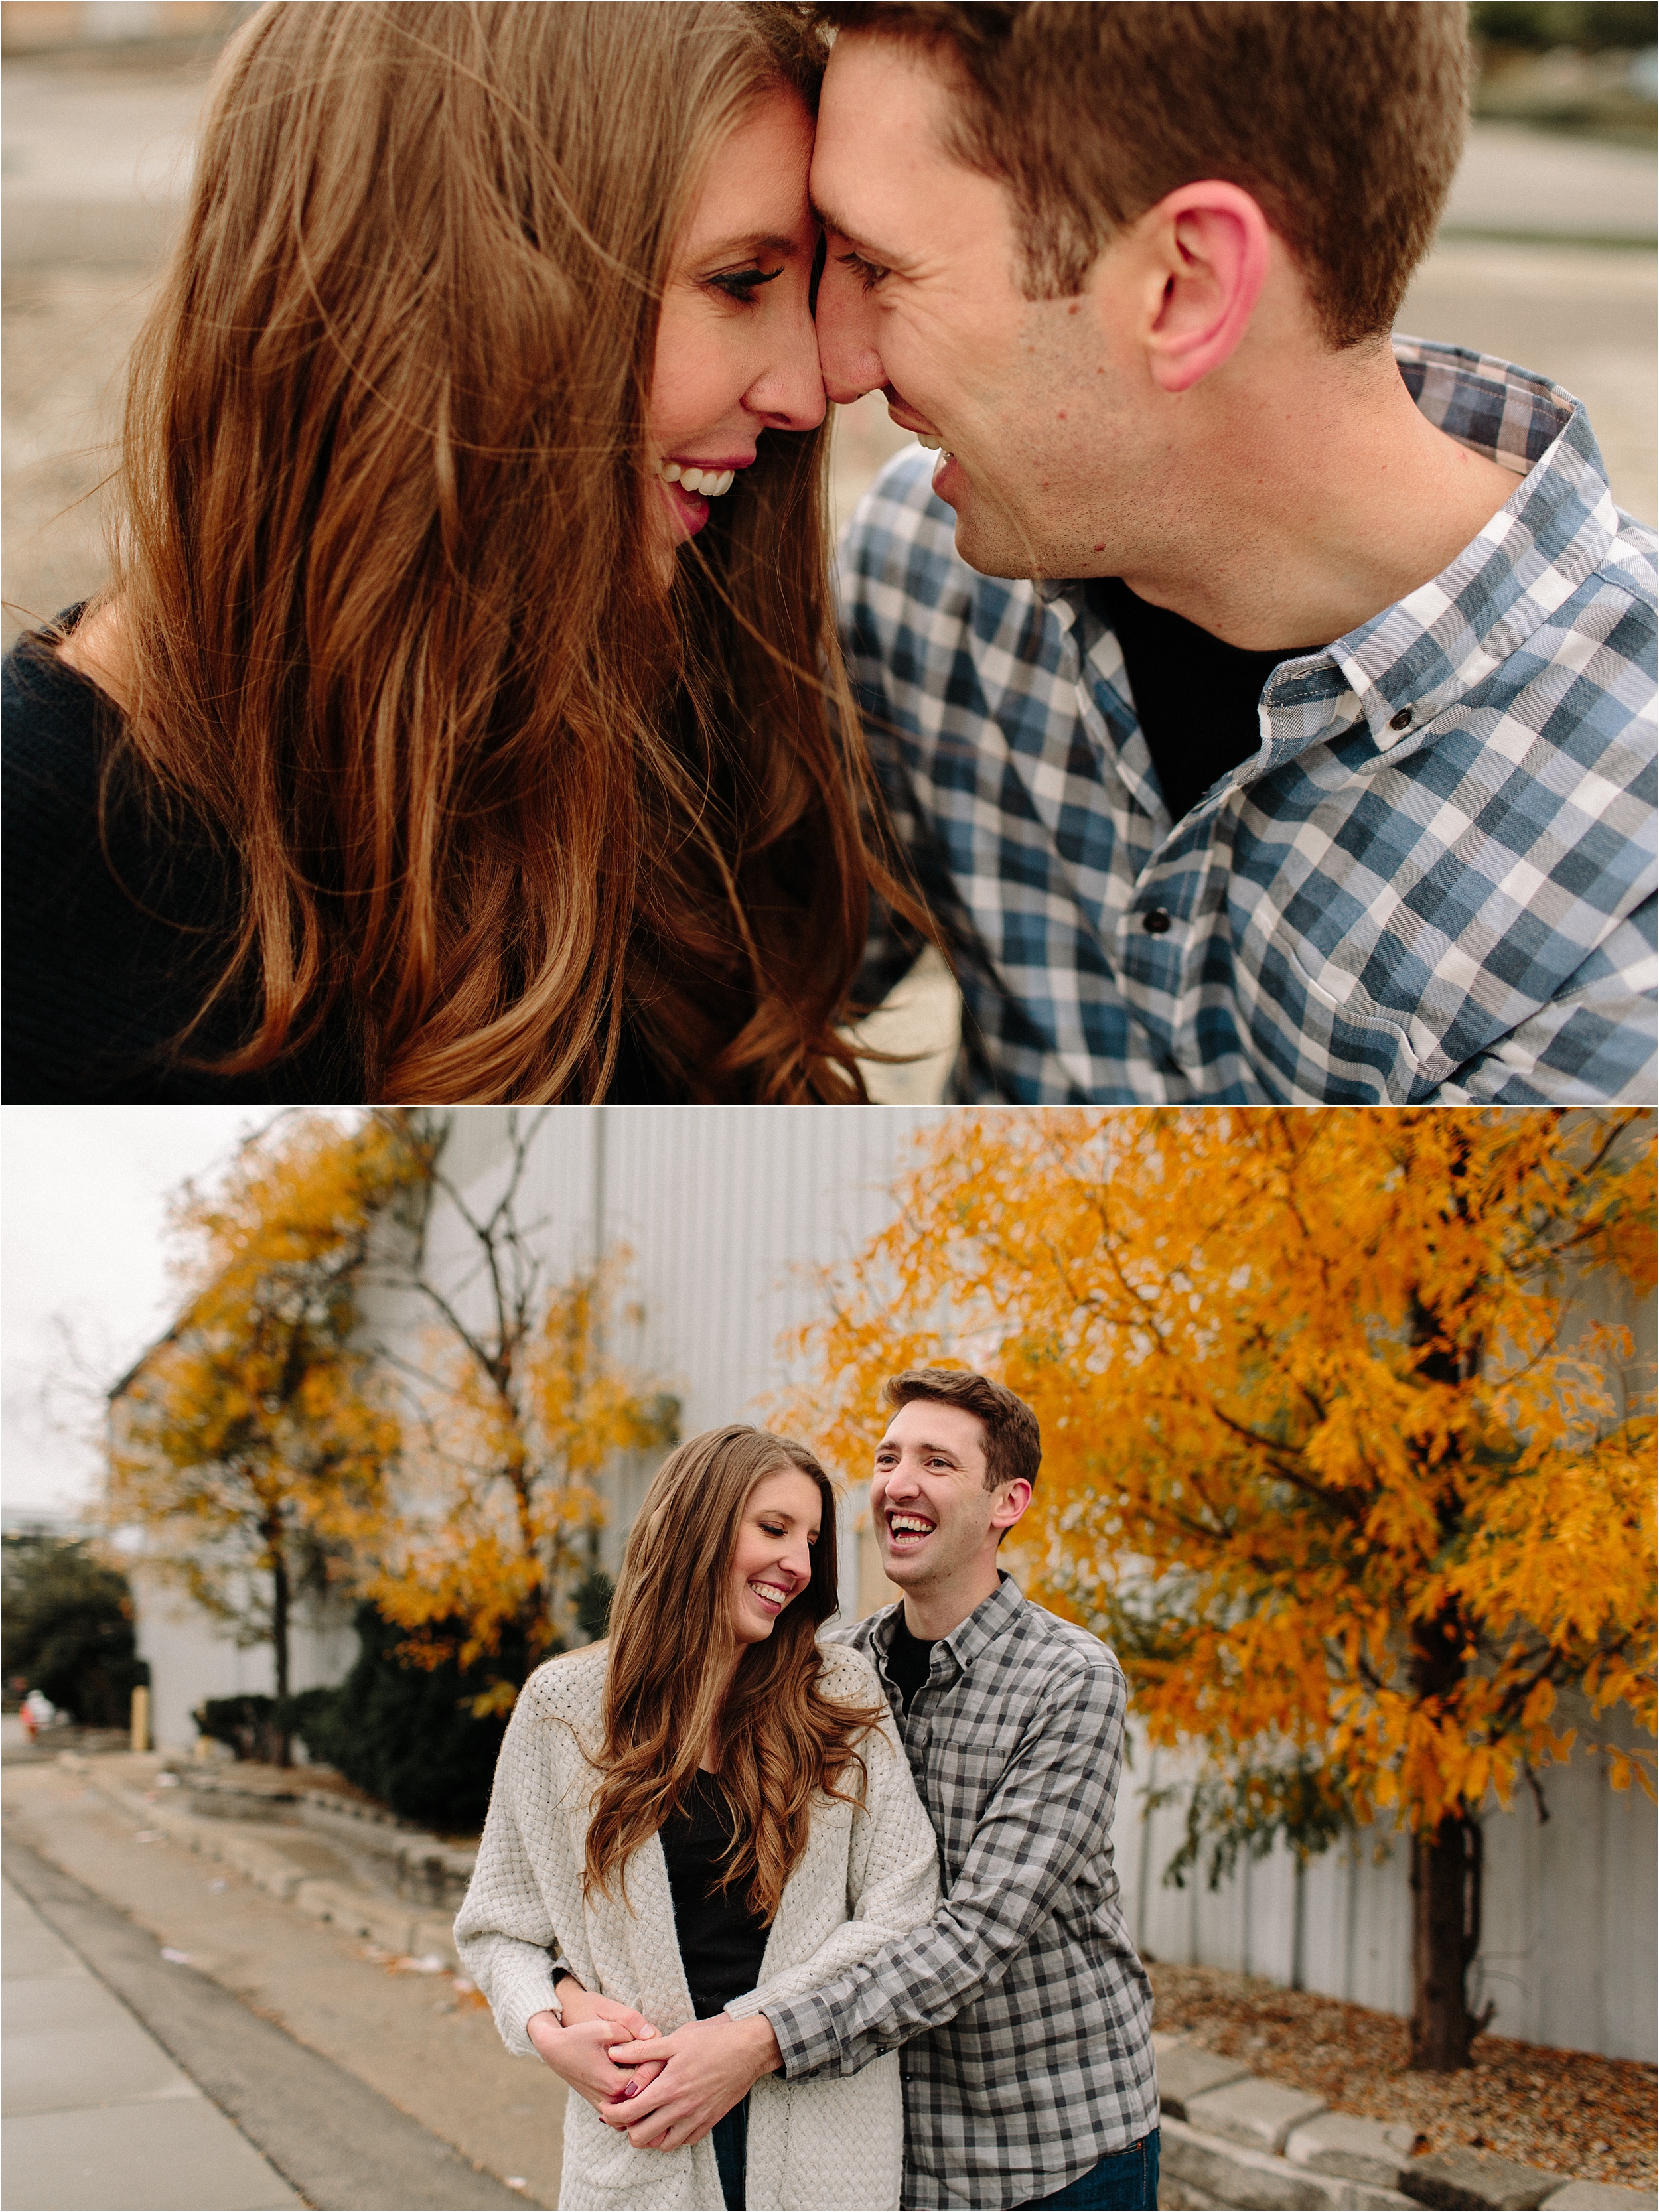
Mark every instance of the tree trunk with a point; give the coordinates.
(1445, 1883)
(279, 1610)
(1445, 1936)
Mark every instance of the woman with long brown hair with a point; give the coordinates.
(463, 719)
(708, 1809)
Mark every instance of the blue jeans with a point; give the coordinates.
(1125, 2182)
(730, 2137)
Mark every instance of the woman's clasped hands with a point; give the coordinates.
(577, 2048)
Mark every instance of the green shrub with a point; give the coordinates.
(1537, 25)
(592, 1597)
(407, 1735)
(68, 1630)
(249, 1724)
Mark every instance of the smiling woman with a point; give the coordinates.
(415, 751)
(736, 354)
(752, 1829)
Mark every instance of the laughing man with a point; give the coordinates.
(1025, 2014)
(1266, 709)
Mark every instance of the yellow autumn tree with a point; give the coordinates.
(252, 1443)
(490, 1558)
(1322, 1456)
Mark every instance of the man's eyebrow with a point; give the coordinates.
(867, 247)
(745, 244)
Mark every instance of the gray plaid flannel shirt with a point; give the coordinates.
(1434, 880)
(1031, 2013)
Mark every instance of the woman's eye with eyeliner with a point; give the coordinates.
(743, 283)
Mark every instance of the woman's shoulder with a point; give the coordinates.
(107, 898)
(850, 1675)
(120, 909)
(56, 726)
(569, 1688)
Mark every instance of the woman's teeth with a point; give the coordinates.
(769, 1594)
(711, 482)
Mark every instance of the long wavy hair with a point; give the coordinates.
(782, 1741)
(387, 577)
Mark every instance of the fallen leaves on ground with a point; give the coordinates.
(1566, 2111)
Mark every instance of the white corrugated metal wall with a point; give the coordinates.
(1568, 1932)
(724, 1211)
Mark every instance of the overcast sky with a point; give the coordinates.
(81, 1239)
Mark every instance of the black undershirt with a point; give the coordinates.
(721, 1942)
(1196, 697)
(908, 1662)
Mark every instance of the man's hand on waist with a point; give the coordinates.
(710, 2065)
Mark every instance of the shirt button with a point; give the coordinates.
(1402, 721)
(1155, 921)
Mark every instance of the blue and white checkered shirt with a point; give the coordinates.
(1025, 2016)
(1433, 880)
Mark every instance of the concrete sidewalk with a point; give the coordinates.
(365, 2083)
(96, 2113)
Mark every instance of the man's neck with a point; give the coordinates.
(1299, 518)
(932, 1613)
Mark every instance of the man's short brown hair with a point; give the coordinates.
(1343, 121)
(1013, 1442)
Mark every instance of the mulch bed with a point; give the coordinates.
(1566, 2111)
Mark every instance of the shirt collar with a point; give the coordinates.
(989, 1620)
(1410, 662)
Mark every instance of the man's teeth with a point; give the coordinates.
(904, 1524)
(711, 482)
(933, 446)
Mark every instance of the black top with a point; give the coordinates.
(111, 946)
(721, 1943)
(1197, 698)
(908, 1662)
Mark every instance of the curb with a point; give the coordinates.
(1208, 2171)
(1234, 2142)
(429, 1873)
(390, 1922)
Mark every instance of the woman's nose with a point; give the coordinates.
(789, 390)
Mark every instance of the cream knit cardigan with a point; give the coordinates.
(866, 1875)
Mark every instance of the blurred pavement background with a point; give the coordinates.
(1546, 256)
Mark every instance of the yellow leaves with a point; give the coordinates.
(1303, 1374)
(255, 1429)
(500, 1698)
(1540, 1704)
(500, 1475)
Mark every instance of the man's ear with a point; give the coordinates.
(1208, 243)
(1014, 1502)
